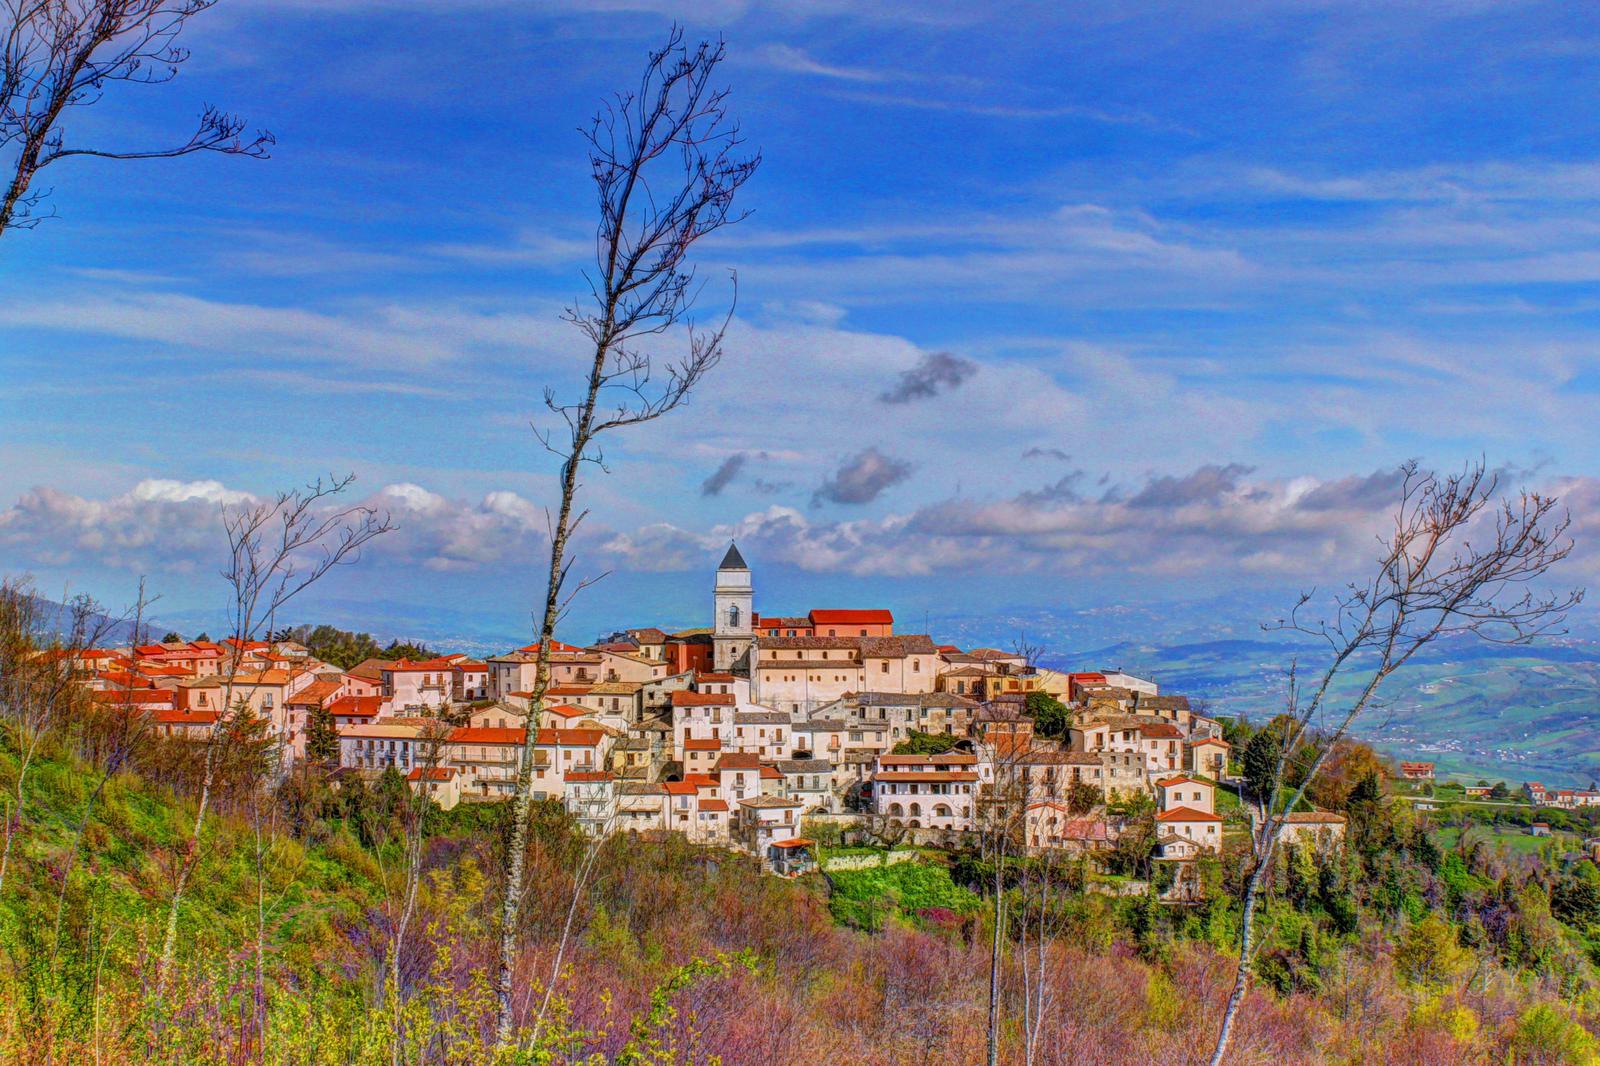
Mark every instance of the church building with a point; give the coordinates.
(734, 632)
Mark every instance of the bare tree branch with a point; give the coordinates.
(666, 166)
(62, 54)
(1461, 560)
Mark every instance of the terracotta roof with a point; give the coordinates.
(314, 693)
(369, 669)
(679, 788)
(714, 805)
(581, 738)
(586, 776)
(1181, 779)
(797, 842)
(1160, 730)
(897, 647)
(949, 758)
(437, 773)
(1187, 814)
(810, 643)
(684, 698)
(356, 706)
(702, 744)
(852, 618)
(768, 802)
(555, 646)
(490, 735)
(172, 717)
(133, 697)
(738, 760)
(925, 776)
(411, 666)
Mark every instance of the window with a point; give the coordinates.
(886, 666)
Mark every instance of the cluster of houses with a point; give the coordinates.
(1534, 792)
(735, 734)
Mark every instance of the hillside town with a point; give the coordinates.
(737, 734)
(741, 733)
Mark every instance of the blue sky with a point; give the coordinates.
(1047, 305)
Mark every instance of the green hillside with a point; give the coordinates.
(1477, 710)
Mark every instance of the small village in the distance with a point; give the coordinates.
(766, 732)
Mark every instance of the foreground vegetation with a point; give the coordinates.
(292, 950)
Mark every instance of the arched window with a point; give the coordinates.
(733, 616)
(941, 811)
(895, 810)
(916, 810)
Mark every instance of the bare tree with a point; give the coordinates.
(63, 54)
(665, 165)
(277, 549)
(431, 745)
(1001, 817)
(37, 683)
(1461, 560)
(115, 738)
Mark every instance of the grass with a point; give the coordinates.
(1517, 839)
(864, 898)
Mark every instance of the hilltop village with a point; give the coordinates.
(737, 734)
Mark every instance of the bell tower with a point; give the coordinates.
(733, 632)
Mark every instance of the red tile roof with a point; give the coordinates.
(314, 693)
(133, 697)
(702, 744)
(925, 776)
(852, 618)
(738, 760)
(408, 666)
(685, 698)
(555, 646)
(949, 758)
(356, 706)
(714, 805)
(171, 717)
(1187, 814)
(489, 735)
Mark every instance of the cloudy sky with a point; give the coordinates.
(1035, 304)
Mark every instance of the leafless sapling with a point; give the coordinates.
(277, 548)
(60, 55)
(37, 683)
(1461, 560)
(666, 161)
